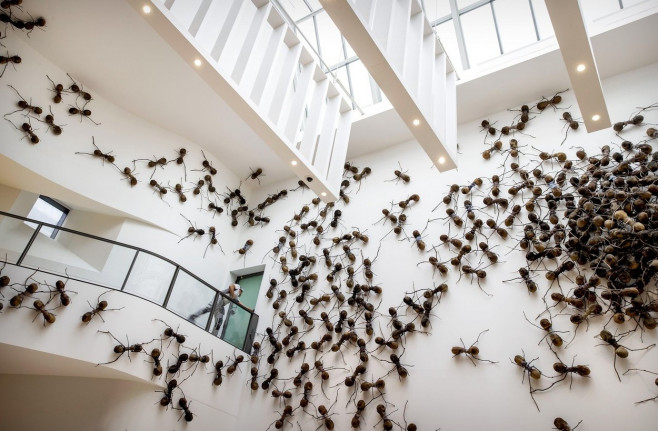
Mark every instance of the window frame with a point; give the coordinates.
(52, 202)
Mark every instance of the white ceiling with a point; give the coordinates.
(112, 50)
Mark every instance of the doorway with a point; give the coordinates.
(237, 325)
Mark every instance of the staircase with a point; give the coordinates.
(399, 48)
(268, 76)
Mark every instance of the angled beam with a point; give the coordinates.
(576, 50)
(363, 31)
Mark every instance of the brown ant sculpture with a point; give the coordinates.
(192, 230)
(58, 89)
(120, 348)
(7, 60)
(471, 352)
(26, 128)
(82, 111)
(620, 350)
(50, 122)
(562, 425)
(105, 157)
(100, 307)
(24, 105)
(530, 370)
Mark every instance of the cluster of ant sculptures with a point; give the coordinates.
(570, 217)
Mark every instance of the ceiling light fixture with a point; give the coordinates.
(324, 193)
(197, 62)
(416, 122)
(581, 67)
(596, 117)
(146, 9)
(442, 160)
(294, 163)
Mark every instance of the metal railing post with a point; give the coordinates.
(29, 244)
(130, 269)
(212, 308)
(251, 333)
(171, 287)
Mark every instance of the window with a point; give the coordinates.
(49, 211)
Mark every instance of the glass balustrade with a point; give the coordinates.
(91, 259)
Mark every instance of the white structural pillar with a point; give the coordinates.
(260, 67)
(399, 48)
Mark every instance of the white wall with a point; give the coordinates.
(442, 391)
(439, 387)
(115, 404)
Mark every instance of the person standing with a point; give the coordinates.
(217, 316)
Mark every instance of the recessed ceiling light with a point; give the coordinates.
(596, 117)
(294, 163)
(146, 8)
(581, 67)
(416, 122)
(197, 62)
(442, 160)
(324, 193)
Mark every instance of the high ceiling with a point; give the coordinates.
(115, 52)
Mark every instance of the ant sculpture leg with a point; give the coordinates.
(646, 371)
(123, 348)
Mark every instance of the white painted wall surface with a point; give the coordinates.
(448, 393)
(442, 391)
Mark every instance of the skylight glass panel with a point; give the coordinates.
(331, 46)
(297, 9)
(47, 211)
(514, 24)
(463, 3)
(361, 83)
(480, 35)
(435, 9)
(543, 20)
(448, 37)
(595, 9)
(308, 30)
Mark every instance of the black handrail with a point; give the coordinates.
(40, 224)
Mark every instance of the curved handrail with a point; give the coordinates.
(136, 249)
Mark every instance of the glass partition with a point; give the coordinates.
(80, 257)
(191, 299)
(237, 321)
(99, 261)
(235, 326)
(150, 278)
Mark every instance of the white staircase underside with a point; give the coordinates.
(256, 63)
(400, 50)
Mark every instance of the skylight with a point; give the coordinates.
(473, 32)
(49, 211)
